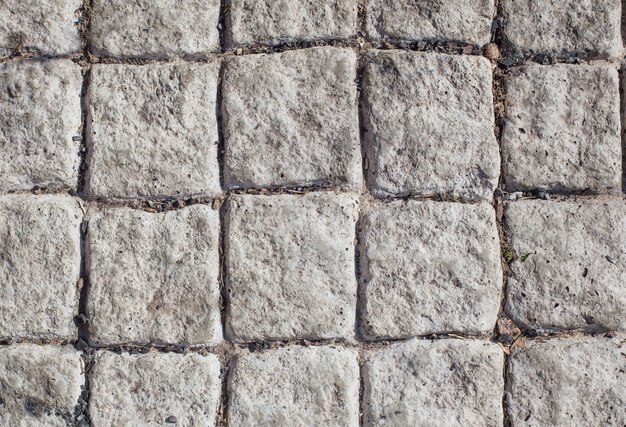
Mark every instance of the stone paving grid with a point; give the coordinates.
(519, 392)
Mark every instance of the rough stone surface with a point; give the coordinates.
(427, 20)
(154, 277)
(150, 389)
(39, 116)
(435, 383)
(290, 119)
(39, 266)
(39, 385)
(588, 27)
(429, 125)
(153, 130)
(570, 266)
(290, 266)
(46, 27)
(161, 29)
(568, 381)
(562, 130)
(280, 21)
(429, 267)
(295, 386)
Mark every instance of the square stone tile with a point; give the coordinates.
(250, 22)
(429, 267)
(444, 382)
(290, 266)
(570, 265)
(154, 389)
(154, 277)
(153, 131)
(295, 386)
(39, 266)
(578, 381)
(564, 27)
(154, 29)
(40, 115)
(562, 130)
(39, 385)
(427, 20)
(429, 125)
(45, 27)
(290, 119)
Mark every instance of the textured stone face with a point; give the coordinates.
(444, 382)
(429, 125)
(571, 264)
(150, 389)
(39, 115)
(39, 385)
(588, 27)
(290, 262)
(154, 277)
(280, 21)
(39, 266)
(47, 27)
(562, 130)
(430, 267)
(155, 29)
(417, 20)
(568, 381)
(153, 131)
(291, 119)
(295, 386)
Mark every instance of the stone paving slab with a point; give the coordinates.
(428, 120)
(290, 266)
(298, 111)
(40, 118)
(39, 266)
(441, 383)
(154, 277)
(39, 385)
(570, 266)
(426, 20)
(295, 386)
(429, 267)
(47, 27)
(153, 131)
(251, 22)
(562, 129)
(154, 389)
(568, 381)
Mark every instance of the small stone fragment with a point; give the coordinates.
(492, 52)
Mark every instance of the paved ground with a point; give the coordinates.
(331, 212)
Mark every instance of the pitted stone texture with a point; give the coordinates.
(568, 381)
(436, 383)
(39, 115)
(427, 20)
(39, 266)
(295, 386)
(290, 266)
(571, 264)
(279, 21)
(39, 385)
(430, 267)
(153, 131)
(290, 119)
(561, 27)
(429, 125)
(47, 27)
(155, 29)
(150, 389)
(154, 277)
(562, 130)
